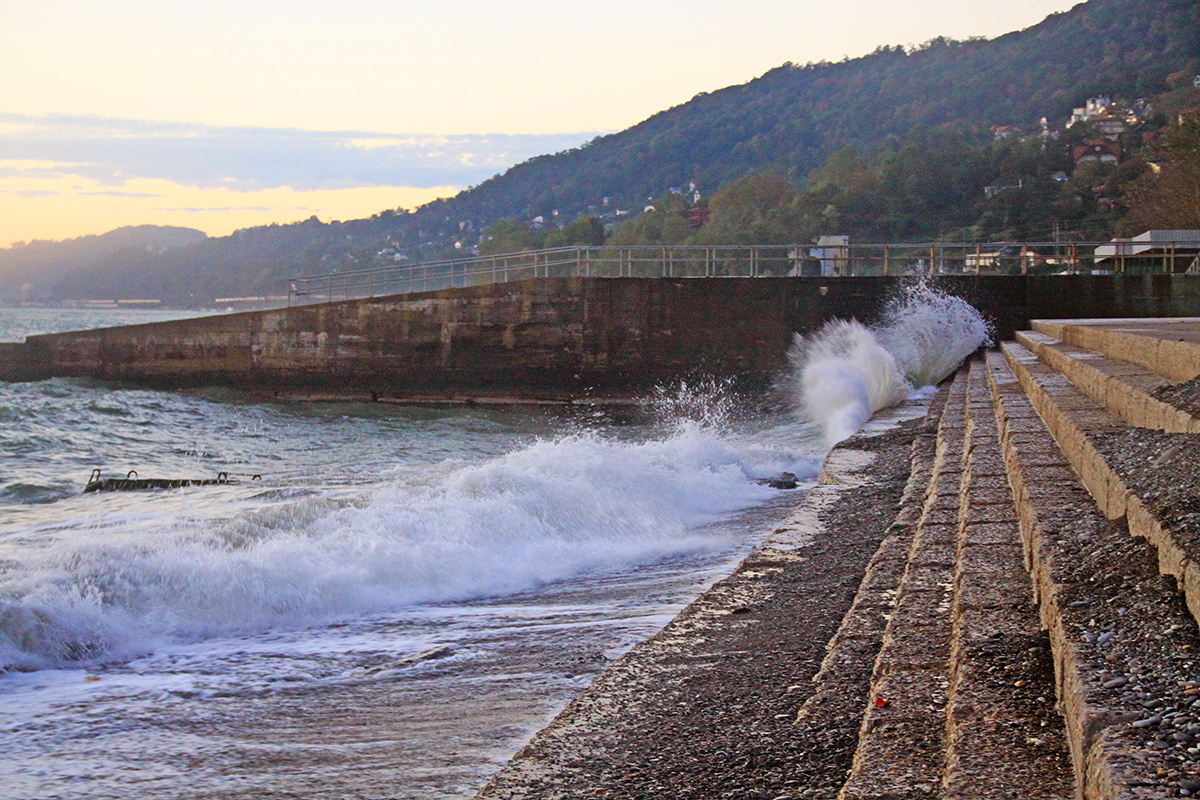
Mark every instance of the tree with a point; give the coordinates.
(508, 236)
(585, 231)
(1169, 198)
(757, 209)
(661, 224)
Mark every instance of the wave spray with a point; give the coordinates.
(847, 371)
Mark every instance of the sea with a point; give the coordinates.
(378, 601)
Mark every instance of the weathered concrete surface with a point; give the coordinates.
(1168, 347)
(1104, 600)
(551, 338)
(554, 339)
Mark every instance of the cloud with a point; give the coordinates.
(119, 194)
(211, 209)
(113, 152)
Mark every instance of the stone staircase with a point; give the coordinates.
(1028, 621)
(962, 697)
(1043, 641)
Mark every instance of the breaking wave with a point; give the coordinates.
(580, 503)
(847, 371)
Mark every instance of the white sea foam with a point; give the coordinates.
(545, 512)
(113, 577)
(846, 371)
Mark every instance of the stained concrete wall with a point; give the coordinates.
(553, 338)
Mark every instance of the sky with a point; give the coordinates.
(220, 115)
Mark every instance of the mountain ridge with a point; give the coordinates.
(788, 121)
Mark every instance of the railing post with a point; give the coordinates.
(887, 259)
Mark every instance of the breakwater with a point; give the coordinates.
(548, 339)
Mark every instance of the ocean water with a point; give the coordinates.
(383, 601)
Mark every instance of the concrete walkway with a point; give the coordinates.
(1017, 618)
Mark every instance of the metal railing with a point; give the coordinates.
(749, 261)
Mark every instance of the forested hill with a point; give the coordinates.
(43, 263)
(788, 121)
(793, 117)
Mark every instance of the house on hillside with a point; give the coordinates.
(1152, 251)
(1097, 152)
(1110, 119)
(1001, 185)
(697, 216)
(1094, 108)
(1005, 132)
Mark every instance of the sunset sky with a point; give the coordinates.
(220, 115)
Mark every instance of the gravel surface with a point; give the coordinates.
(1143, 637)
(1163, 469)
(1141, 647)
(1185, 396)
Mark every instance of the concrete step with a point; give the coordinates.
(1002, 677)
(961, 702)
(1091, 440)
(852, 651)
(1169, 347)
(1124, 389)
(901, 747)
(1124, 643)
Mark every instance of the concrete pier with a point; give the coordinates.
(556, 339)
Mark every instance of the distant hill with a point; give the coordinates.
(793, 117)
(789, 121)
(249, 262)
(33, 270)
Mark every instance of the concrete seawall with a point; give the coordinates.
(554, 339)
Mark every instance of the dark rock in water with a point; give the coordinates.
(132, 483)
(429, 654)
(784, 480)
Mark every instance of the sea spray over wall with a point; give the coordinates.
(847, 371)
